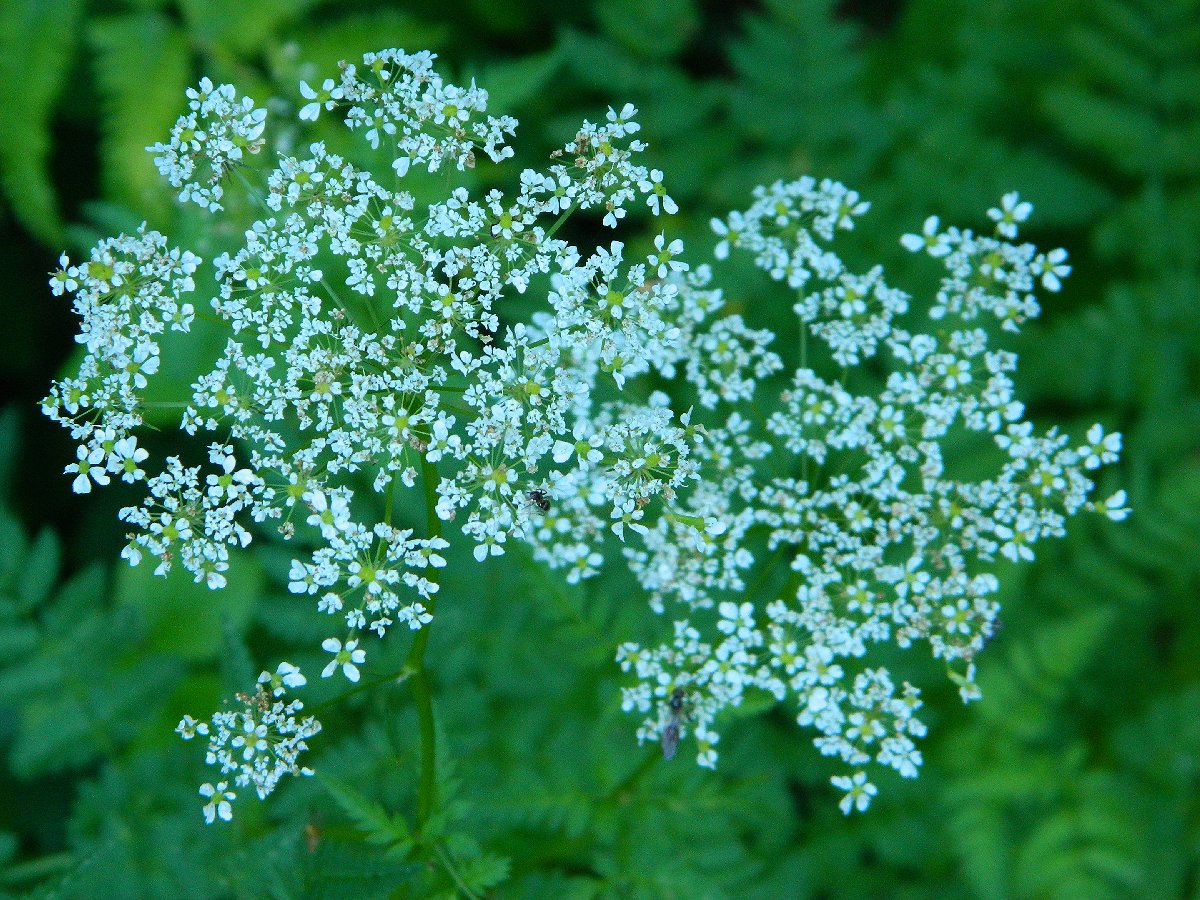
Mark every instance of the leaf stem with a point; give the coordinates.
(452, 871)
(399, 677)
(40, 867)
(216, 320)
(561, 220)
(422, 692)
(619, 794)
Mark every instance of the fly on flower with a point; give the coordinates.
(679, 712)
(539, 499)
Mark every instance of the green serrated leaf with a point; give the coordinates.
(314, 51)
(10, 434)
(39, 571)
(654, 30)
(12, 552)
(238, 28)
(37, 46)
(143, 67)
(370, 817)
(512, 84)
(483, 872)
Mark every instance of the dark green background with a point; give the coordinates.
(1075, 777)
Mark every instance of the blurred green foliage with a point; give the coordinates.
(1077, 775)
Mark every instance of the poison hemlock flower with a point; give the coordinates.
(349, 658)
(858, 790)
(208, 142)
(257, 743)
(531, 432)
(929, 239)
(328, 96)
(220, 801)
(1011, 212)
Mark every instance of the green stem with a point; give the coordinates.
(209, 317)
(387, 503)
(561, 220)
(41, 867)
(765, 574)
(452, 871)
(619, 794)
(427, 788)
(336, 298)
(804, 365)
(422, 692)
(398, 677)
(252, 192)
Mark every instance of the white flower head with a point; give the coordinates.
(349, 658)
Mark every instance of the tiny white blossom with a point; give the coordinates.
(219, 801)
(1114, 507)
(858, 790)
(1012, 211)
(349, 658)
(286, 677)
(656, 194)
(929, 240)
(1101, 448)
(328, 96)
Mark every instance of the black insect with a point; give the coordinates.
(679, 714)
(676, 702)
(539, 499)
(670, 739)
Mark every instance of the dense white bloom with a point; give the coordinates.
(257, 743)
(370, 349)
(882, 494)
(209, 141)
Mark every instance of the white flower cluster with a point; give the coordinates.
(885, 543)
(369, 352)
(258, 743)
(207, 142)
(126, 295)
(397, 99)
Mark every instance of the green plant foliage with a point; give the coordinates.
(36, 48)
(142, 65)
(1078, 774)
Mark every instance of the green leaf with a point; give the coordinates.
(37, 45)
(655, 30)
(511, 84)
(369, 816)
(315, 50)
(143, 67)
(186, 619)
(39, 571)
(10, 434)
(239, 28)
(12, 552)
(1126, 136)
